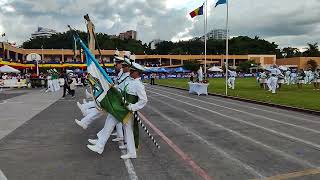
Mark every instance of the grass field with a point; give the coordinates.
(248, 88)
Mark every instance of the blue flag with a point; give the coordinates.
(221, 2)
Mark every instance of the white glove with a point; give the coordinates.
(129, 107)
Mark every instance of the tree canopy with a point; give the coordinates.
(240, 45)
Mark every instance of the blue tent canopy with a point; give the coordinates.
(181, 70)
(148, 70)
(163, 70)
(110, 70)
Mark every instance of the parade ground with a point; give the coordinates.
(201, 137)
(248, 88)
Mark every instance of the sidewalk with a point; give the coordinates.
(17, 110)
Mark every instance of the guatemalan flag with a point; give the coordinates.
(105, 95)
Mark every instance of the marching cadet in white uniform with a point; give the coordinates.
(311, 76)
(273, 80)
(120, 85)
(316, 79)
(49, 82)
(281, 81)
(263, 80)
(293, 77)
(287, 77)
(301, 78)
(135, 90)
(92, 114)
(232, 78)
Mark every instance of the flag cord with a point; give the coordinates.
(136, 117)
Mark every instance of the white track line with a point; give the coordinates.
(129, 165)
(2, 176)
(250, 114)
(211, 145)
(260, 109)
(275, 151)
(316, 146)
(3, 102)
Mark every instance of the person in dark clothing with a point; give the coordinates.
(191, 77)
(66, 86)
(152, 78)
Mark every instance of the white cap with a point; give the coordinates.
(133, 57)
(117, 53)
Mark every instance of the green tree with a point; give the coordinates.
(289, 52)
(312, 64)
(312, 50)
(192, 65)
(246, 65)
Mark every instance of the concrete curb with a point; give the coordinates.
(308, 111)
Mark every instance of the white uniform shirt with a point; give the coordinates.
(123, 81)
(288, 73)
(232, 73)
(293, 75)
(274, 71)
(263, 75)
(135, 87)
(116, 78)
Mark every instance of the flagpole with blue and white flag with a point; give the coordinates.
(227, 40)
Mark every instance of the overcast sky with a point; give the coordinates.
(285, 22)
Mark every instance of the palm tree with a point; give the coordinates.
(312, 50)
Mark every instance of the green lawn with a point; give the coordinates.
(248, 88)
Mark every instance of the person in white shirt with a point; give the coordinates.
(136, 96)
(200, 75)
(287, 77)
(316, 79)
(281, 80)
(232, 77)
(273, 80)
(263, 80)
(49, 83)
(293, 77)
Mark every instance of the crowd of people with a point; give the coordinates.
(274, 78)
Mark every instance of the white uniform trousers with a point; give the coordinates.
(50, 86)
(119, 130)
(231, 81)
(57, 85)
(129, 138)
(89, 105)
(287, 80)
(92, 114)
(273, 84)
(293, 80)
(269, 84)
(104, 134)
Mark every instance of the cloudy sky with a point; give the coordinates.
(286, 22)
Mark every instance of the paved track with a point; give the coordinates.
(238, 140)
(201, 137)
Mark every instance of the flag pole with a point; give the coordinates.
(205, 41)
(227, 47)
